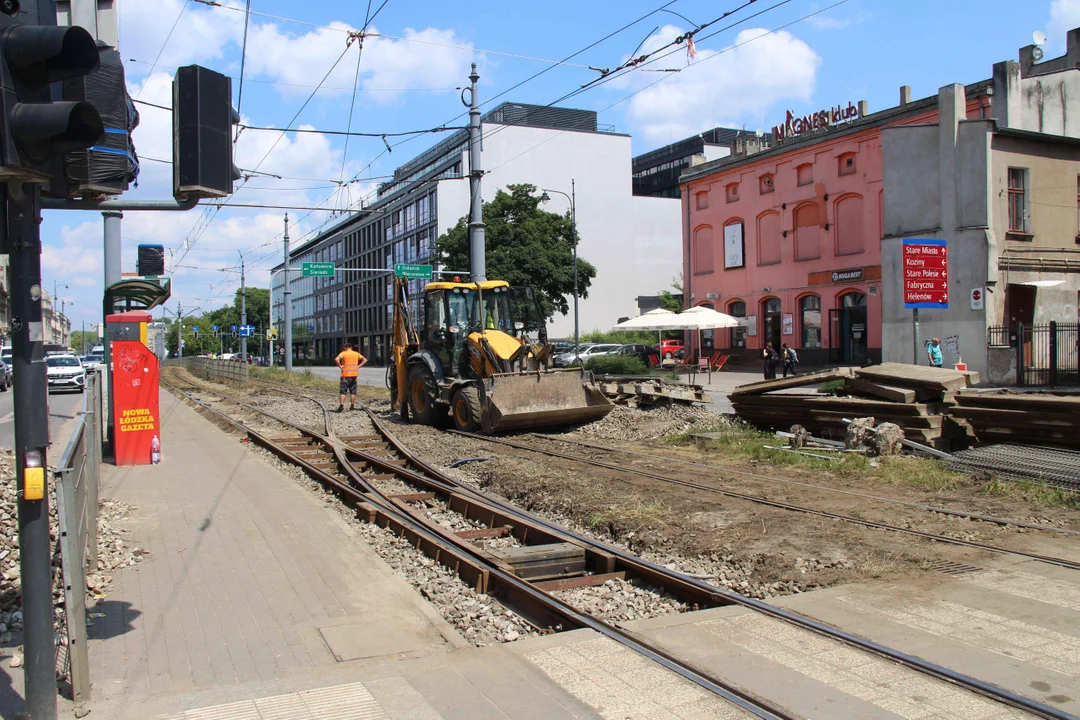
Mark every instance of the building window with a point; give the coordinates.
(804, 174)
(1018, 213)
(732, 192)
(768, 238)
(807, 232)
(810, 311)
(765, 183)
(849, 225)
(702, 200)
(737, 309)
(847, 164)
(703, 250)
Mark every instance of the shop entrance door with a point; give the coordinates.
(771, 313)
(848, 331)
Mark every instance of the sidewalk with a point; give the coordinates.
(255, 587)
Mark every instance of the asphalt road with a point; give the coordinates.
(62, 409)
(375, 376)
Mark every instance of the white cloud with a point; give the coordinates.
(200, 35)
(78, 256)
(1064, 16)
(738, 85)
(836, 19)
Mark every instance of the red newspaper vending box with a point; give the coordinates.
(136, 423)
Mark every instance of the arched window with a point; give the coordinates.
(734, 244)
(853, 299)
(737, 309)
(771, 317)
(703, 250)
(807, 232)
(810, 315)
(850, 233)
(768, 238)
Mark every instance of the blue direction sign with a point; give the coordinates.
(234, 328)
(213, 328)
(247, 330)
(195, 328)
(311, 328)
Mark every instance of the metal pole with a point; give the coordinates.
(287, 295)
(270, 321)
(243, 312)
(915, 331)
(112, 246)
(179, 331)
(31, 405)
(573, 229)
(477, 259)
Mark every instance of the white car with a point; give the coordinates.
(66, 372)
(585, 353)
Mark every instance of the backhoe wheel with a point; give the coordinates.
(465, 408)
(423, 391)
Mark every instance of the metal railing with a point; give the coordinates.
(227, 371)
(76, 480)
(1046, 354)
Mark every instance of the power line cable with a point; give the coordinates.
(167, 38)
(243, 58)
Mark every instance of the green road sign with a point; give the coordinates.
(413, 272)
(318, 269)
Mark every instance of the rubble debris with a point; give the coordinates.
(799, 435)
(887, 439)
(860, 433)
(650, 392)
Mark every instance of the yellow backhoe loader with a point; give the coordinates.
(479, 358)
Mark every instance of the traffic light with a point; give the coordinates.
(203, 120)
(36, 130)
(109, 165)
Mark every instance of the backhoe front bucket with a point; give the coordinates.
(512, 402)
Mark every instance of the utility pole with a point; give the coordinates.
(31, 444)
(243, 312)
(287, 294)
(477, 259)
(179, 331)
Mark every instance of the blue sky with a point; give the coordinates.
(409, 72)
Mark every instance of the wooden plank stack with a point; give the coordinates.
(647, 392)
(1023, 418)
(918, 399)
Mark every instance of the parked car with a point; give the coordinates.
(5, 355)
(562, 346)
(65, 372)
(92, 361)
(648, 355)
(585, 353)
(564, 359)
(672, 349)
(5, 376)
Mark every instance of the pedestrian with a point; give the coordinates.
(933, 352)
(771, 361)
(350, 363)
(790, 358)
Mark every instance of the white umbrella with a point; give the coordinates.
(659, 320)
(702, 318)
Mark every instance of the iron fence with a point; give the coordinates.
(227, 371)
(1047, 354)
(76, 480)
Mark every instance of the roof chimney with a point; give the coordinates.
(905, 95)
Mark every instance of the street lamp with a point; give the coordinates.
(573, 229)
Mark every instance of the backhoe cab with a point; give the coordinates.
(480, 359)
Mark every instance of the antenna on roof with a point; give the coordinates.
(1039, 38)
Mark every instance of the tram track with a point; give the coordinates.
(349, 467)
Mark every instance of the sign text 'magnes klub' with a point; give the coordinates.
(822, 119)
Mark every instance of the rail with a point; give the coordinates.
(358, 464)
(76, 480)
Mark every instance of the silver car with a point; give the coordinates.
(587, 352)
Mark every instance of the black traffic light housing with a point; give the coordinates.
(203, 119)
(35, 129)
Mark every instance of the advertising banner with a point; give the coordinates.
(926, 273)
(136, 421)
(734, 251)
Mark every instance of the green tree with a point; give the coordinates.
(80, 339)
(525, 246)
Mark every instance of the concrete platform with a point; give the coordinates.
(257, 602)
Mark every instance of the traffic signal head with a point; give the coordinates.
(203, 120)
(35, 130)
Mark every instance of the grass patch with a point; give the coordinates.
(1031, 491)
(831, 387)
(617, 520)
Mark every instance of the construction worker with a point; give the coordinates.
(350, 363)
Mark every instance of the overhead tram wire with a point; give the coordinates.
(163, 45)
(564, 61)
(189, 242)
(716, 54)
(243, 58)
(352, 104)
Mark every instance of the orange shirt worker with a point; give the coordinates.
(350, 363)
